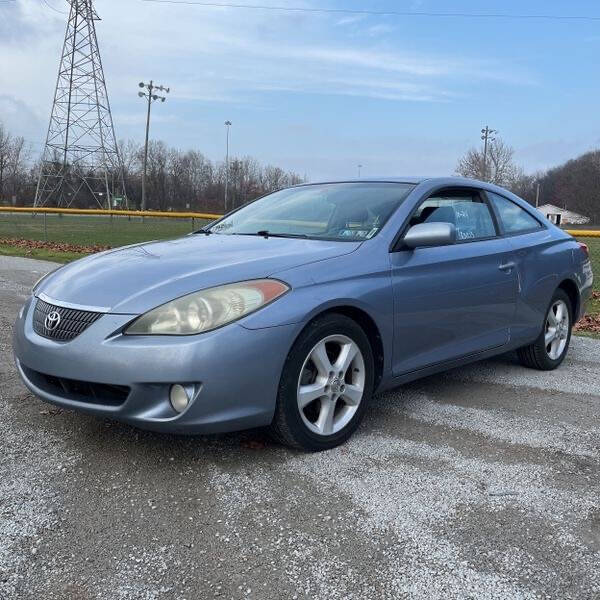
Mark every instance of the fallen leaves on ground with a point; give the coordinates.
(51, 411)
(55, 246)
(254, 444)
(590, 323)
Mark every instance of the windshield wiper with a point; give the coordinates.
(204, 232)
(267, 234)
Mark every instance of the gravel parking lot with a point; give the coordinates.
(480, 483)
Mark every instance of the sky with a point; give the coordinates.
(320, 93)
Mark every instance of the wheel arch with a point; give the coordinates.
(570, 288)
(368, 325)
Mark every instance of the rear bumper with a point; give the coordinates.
(233, 373)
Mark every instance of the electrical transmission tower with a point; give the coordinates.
(81, 163)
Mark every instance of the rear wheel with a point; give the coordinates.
(551, 347)
(325, 386)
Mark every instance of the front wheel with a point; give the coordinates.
(549, 350)
(325, 386)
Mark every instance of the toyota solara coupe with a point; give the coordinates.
(292, 311)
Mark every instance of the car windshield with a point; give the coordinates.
(338, 211)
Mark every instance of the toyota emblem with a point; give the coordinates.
(52, 321)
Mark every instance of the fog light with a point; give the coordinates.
(179, 398)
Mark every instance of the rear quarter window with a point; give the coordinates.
(513, 218)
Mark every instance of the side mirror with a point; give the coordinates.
(427, 235)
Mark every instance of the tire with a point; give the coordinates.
(549, 356)
(333, 384)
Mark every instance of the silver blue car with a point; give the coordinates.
(292, 311)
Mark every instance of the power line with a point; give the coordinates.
(60, 12)
(383, 13)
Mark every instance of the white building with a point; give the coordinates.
(562, 216)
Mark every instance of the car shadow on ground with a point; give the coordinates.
(109, 436)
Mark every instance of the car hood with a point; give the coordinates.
(135, 279)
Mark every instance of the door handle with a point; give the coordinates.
(509, 266)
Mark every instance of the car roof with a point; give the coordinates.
(415, 180)
(431, 182)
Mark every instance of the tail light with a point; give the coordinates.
(585, 249)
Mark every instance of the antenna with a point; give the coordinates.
(81, 162)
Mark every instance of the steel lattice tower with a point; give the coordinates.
(81, 162)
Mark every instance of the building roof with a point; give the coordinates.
(552, 209)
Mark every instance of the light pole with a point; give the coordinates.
(227, 125)
(151, 98)
(359, 169)
(486, 136)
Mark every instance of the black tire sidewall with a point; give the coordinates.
(287, 401)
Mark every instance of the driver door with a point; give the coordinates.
(456, 300)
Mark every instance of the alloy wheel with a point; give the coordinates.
(557, 328)
(331, 385)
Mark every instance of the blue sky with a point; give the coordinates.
(321, 93)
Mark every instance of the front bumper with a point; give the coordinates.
(234, 373)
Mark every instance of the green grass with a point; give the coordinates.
(587, 334)
(93, 230)
(594, 246)
(40, 254)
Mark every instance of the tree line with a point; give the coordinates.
(574, 185)
(187, 180)
(176, 180)
(15, 168)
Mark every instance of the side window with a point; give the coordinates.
(514, 219)
(468, 212)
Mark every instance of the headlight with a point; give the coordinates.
(208, 309)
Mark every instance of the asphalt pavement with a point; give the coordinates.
(480, 483)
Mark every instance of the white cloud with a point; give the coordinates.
(380, 29)
(216, 55)
(350, 20)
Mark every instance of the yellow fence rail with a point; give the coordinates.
(110, 213)
(583, 233)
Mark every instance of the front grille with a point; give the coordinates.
(79, 391)
(72, 322)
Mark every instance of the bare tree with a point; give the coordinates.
(157, 175)
(14, 155)
(497, 167)
(5, 154)
(17, 167)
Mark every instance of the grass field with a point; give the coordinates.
(92, 230)
(594, 246)
(41, 253)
